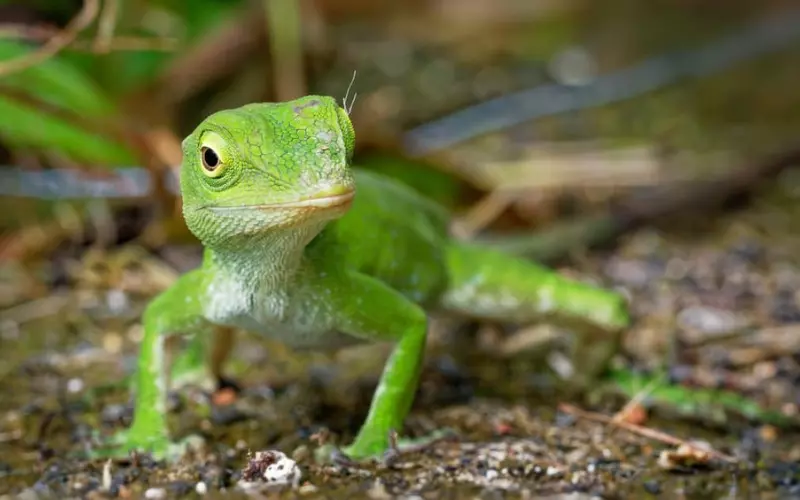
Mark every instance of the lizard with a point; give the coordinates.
(303, 247)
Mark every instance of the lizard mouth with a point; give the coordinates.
(317, 201)
(336, 197)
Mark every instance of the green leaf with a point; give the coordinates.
(25, 126)
(55, 82)
(62, 87)
(695, 402)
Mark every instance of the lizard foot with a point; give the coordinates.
(159, 446)
(379, 450)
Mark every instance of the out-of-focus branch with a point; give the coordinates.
(118, 43)
(283, 20)
(57, 42)
(215, 56)
(106, 26)
(640, 209)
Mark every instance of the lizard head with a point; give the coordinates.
(267, 166)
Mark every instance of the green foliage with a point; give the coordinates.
(55, 82)
(435, 184)
(46, 107)
(65, 92)
(708, 404)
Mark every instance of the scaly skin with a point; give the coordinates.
(302, 248)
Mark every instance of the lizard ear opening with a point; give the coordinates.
(348, 132)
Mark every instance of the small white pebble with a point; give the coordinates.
(284, 471)
(116, 300)
(553, 471)
(74, 385)
(307, 489)
(491, 474)
(155, 493)
(200, 488)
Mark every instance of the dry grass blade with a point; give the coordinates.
(483, 213)
(36, 309)
(646, 432)
(106, 26)
(57, 42)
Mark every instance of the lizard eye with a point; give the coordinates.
(213, 152)
(210, 158)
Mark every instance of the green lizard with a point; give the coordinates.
(302, 248)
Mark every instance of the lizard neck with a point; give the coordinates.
(266, 262)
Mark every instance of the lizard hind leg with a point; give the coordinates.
(488, 284)
(201, 361)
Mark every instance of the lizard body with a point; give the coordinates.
(303, 248)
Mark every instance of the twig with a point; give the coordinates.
(642, 208)
(57, 42)
(212, 57)
(646, 432)
(36, 309)
(106, 26)
(760, 37)
(118, 43)
(483, 213)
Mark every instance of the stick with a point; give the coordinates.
(646, 432)
(59, 41)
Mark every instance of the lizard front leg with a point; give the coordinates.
(368, 309)
(177, 310)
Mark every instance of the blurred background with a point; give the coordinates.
(646, 146)
(550, 107)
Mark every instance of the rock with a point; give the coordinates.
(701, 321)
(155, 493)
(268, 470)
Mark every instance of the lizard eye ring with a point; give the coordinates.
(211, 161)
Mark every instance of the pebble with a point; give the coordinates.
(653, 487)
(283, 472)
(709, 320)
(633, 273)
(155, 493)
(74, 385)
(113, 413)
(553, 471)
(271, 469)
(307, 489)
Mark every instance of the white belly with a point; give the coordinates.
(297, 319)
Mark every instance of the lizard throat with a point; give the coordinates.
(268, 261)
